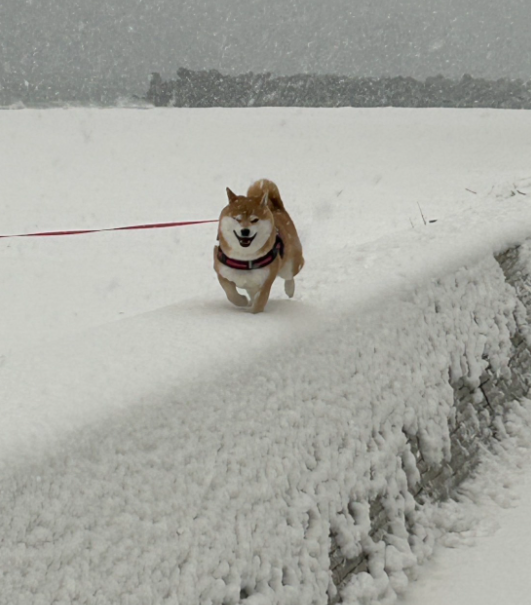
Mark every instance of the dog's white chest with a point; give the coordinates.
(247, 280)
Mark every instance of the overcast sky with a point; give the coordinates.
(94, 40)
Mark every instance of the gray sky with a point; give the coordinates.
(83, 43)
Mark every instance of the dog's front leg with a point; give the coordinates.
(232, 294)
(260, 297)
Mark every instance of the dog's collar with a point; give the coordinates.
(257, 263)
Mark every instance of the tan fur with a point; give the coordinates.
(262, 201)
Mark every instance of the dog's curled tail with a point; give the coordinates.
(259, 188)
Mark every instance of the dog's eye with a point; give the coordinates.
(254, 220)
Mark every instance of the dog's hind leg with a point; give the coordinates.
(287, 275)
(289, 287)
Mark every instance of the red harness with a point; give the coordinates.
(257, 263)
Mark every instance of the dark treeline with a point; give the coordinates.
(213, 89)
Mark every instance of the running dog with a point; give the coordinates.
(257, 242)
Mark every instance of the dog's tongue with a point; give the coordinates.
(245, 243)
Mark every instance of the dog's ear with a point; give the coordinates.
(232, 196)
(265, 199)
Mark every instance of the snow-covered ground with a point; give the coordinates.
(486, 563)
(122, 364)
(349, 176)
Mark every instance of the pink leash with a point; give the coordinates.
(128, 228)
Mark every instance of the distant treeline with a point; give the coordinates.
(213, 89)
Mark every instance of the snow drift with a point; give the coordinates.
(199, 455)
(238, 489)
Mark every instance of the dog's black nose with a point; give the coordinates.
(246, 232)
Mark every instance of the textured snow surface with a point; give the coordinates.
(236, 484)
(482, 554)
(197, 454)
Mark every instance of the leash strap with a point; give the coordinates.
(127, 228)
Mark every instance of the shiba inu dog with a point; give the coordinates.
(257, 242)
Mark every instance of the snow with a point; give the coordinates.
(63, 51)
(101, 168)
(481, 560)
(158, 445)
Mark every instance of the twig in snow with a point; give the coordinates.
(474, 192)
(422, 214)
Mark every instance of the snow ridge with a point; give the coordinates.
(234, 491)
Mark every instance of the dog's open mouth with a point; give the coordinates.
(245, 242)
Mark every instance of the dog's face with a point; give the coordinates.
(246, 224)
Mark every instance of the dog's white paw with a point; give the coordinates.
(289, 287)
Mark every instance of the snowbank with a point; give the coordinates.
(476, 323)
(196, 454)
(241, 487)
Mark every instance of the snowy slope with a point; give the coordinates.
(190, 453)
(349, 177)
